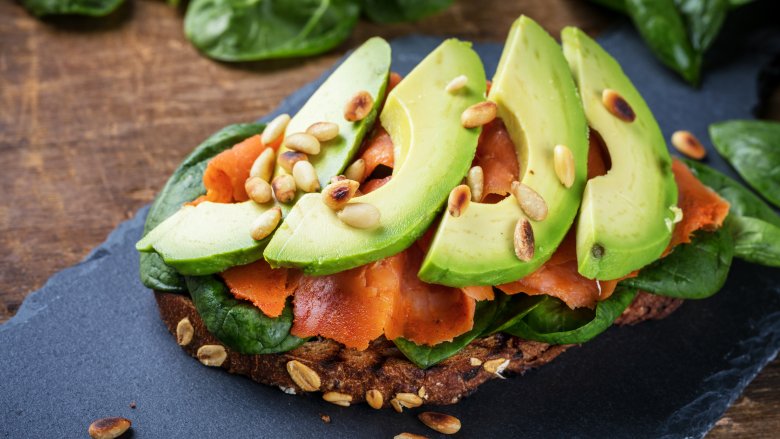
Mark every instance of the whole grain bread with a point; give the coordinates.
(382, 367)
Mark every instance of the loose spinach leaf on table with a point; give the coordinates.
(236, 30)
(753, 149)
(756, 241)
(552, 321)
(703, 19)
(238, 324)
(426, 356)
(184, 185)
(394, 11)
(692, 271)
(94, 8)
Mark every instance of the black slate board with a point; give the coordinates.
(90, 341)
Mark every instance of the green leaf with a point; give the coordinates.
(511, 310)
(616, 5)
(692, 271)
(662, 28)
(552, 321)
(93, 8)
(185, 185)
(426, 356)
(703, 19)
(394, 11)
(756, 241)
(239, 324)
(753, 149)
(250, 30)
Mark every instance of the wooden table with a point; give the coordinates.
(95, 114)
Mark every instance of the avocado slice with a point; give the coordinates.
(538, 102)
(625, 221)
(432, 153)
(212, 237)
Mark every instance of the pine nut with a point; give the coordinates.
(323, 131)
(688, 145)
(263, 167)
(184, 332)
(284, 188)
(440, 422)
(359, 215)
(288, 159)
(258, 190)
(275, 128)
(408, 400)
(337, 398)
(212, 355)
(396, 405)
(266, 223)
(336, 195)
(109, 428)
(496, 366)
(358, 106)
(457, 83)
(524, 240)
(406, 435)
(305, 176)
(530, 201)
(303, 142)
(458, 201)
(479, 114)
(563, 162)
(356, 170)
(615, 104)
(302, 375)
(475, 361)
(422, 393)
(374, 399)
(476, 181)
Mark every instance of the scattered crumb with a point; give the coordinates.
(132, 404)
(325, 418)
(475, 361)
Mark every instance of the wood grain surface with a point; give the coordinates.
(96, 113)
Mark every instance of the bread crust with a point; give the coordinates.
(345, 370)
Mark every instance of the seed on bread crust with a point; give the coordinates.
(109, 428)
(408, 400)
(440, 422)
(475, 361)
(375, 399)
(396, 405)
(496, 366)
(358, 106)
(212, 355)
(184, 332)
(304, 376)
(338, 398)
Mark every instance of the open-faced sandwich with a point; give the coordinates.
(471, 230)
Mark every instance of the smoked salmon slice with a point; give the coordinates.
(265, 287)
(497, 156)
(702, 208)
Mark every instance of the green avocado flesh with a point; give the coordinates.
(212, 236)
(538, 102)
(625, 217)
(432, 153)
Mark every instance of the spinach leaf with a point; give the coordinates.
(239, 30)
(426, 356)
(615, 5)
(239, 324)
(184, 185)
(703, 18)
(552, 321)
(662, 28)
(93, 8)
(394, 11)
(511, 310)
(756, 241)
(753, 149)
(692, 271)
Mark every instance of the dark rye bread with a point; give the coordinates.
(344, 370)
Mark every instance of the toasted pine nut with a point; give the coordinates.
(109, 428)
(530, 201)
(396, 405)
(305, 176)
(408, 400)
(563, 162)
(184, 332)
(358, 106)
(275, 128)
(323, 131)
(458, 201)
(374, 399)
(288, 159)
(212, 355)
(440, 422)
(496, 366)
(479, 114)
(457, 83)
(688, 145)
(615, 104)
(284, 188)
(303, 142)
(263, 167)
(524, 240)
(258, 190)
(356, 170)
(338, 398)
(302, 375)
(336, 195)
(422, 393)
(406, 435)
(476, 181)
(266, 223)
(359, 215)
